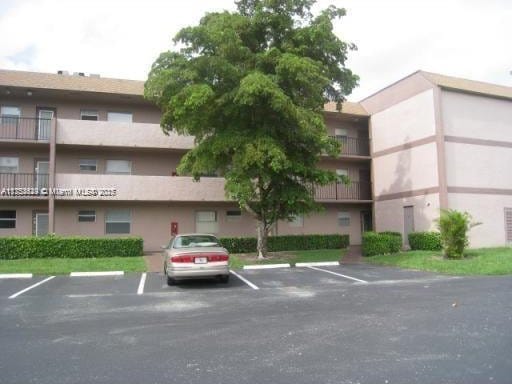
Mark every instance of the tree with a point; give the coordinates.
(251, 86)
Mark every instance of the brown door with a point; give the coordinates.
(408, 222)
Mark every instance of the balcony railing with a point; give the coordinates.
(24, 128)
(353, 146)
(356, 190)
(23, 180)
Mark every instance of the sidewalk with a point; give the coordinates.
(353, 255)
(154, 261)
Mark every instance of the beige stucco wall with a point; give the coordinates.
(475, 116)
(486, 209)
(156, 163)
(389, 214)
(409, 120)
(478, 166)
(111, 134)
(152, 220)
(24, 211)
(406, 170)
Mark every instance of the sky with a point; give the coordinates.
(122, 38)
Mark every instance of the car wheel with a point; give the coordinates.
(224, 279)
(170, 281)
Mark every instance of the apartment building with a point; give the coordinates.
(442, 142)
(95, 148)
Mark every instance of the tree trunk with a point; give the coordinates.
(262, 240)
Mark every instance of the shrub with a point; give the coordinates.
(286, 243)
(454, 227)
(425, 241)
(381, 243)
(68, 247)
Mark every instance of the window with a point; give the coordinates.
(119, 166)
(297, 221)
(7, 219)
(344, 219)
(342, 174)
(10, 115)
(86, 216)
(9, 164)
(89, 114)
(340, 133)
(117, 221)
(120, 117)
(89, 165)
(206, 222)
(233, 215)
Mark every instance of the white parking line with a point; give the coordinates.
(318, 264)
(32, 286)
(15, 275)
(140, 290)
(253, 286)
(267, 266)
(339, 274)
(89, 274)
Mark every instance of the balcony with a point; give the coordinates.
(354, 191)
(24, 128)
(139, 188)
(23, 185)
(113, 134)
(352, 146)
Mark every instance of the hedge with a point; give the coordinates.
(426, 241)
(381, 243)
(68, 247)
(286, 243)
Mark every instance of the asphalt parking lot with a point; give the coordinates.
(328, 324)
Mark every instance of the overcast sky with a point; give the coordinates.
(121, 38)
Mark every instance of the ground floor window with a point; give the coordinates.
(297, 221)
(233, 215)
(118, 221)
(206, 222)
(344, 219)
(86, 216)
(7, 219)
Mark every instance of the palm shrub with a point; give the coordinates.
(454, 227)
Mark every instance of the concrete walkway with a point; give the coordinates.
(353, 255)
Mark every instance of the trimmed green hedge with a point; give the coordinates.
(381, 243)
(286, 243)
(68, 247)
(425, 241)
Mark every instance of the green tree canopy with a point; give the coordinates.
(251, 87)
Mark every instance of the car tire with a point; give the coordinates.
(224, 279)
(170, 281)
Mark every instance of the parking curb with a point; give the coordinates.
(267, 266)
(15, 275)
(90, 274)
(318, 264)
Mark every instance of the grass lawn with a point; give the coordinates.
(58, 266)
(482, 261)
(292, 257)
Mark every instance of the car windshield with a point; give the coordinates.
(195, 241)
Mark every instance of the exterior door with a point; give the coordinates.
(44, 122)
(408, 222)
(41, 224)
(366, 221)
(42, 173)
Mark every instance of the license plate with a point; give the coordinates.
(201, 260)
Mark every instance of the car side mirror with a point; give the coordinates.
(163, 246)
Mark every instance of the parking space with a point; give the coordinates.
(262, 280)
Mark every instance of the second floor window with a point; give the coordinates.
(119, 167)
(89, 114)
(88, 165)
(9, 114)
(120, 117)
(9, 164)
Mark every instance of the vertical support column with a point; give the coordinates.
(51, 176)
(440, 146)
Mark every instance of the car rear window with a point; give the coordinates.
(196, 241)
